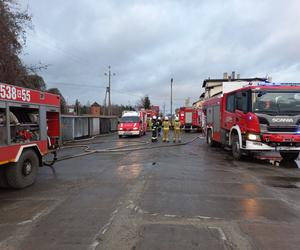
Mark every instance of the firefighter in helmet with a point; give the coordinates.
(166, 128)
(159, 121)
(177, 132)
(154, 128)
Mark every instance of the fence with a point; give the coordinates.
(75, 127)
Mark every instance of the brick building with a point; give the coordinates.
(95, 109)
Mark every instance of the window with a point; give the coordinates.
(230, 103)
(3, 132)
(276, 102)
(242, 101)
(134, 119)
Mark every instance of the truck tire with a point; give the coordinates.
(24, 172)
(209, 139)
(235, 148)
(3, 179)
(289, 156)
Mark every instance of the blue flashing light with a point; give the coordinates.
(278, 84)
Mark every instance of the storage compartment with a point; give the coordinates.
(53, 125)
(24, 124)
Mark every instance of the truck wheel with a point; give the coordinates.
(120, 136)
(3, 179)
(209, 139)
(289, 156)
(235, 147)
(24, 172)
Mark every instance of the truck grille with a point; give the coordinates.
(290, 129)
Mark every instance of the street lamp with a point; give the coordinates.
(109, 74)
(171, 98)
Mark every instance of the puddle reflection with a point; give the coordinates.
(129, 171)
(252, 208)
(250, 188)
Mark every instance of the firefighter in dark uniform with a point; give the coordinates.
(154, 128)
(159, 121)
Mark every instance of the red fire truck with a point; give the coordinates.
(190, 119)
(29, 129)
(132, 123)
(264, 117)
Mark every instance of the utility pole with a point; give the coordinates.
(171, 98)
(109, 74)
(105, 107)
(164, 108)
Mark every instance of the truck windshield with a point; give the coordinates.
(276, 102)
(130, 119)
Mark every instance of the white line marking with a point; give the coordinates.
(221, 232)
(95, 244)
(170, 215)
(203, 217)
(24, 222)
(104, 230)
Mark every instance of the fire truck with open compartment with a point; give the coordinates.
(29, 130)
(190, 119)
(255, 118)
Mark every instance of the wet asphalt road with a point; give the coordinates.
(186, 197)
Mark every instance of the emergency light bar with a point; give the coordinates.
(278, 84)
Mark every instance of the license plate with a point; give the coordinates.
(283, 148)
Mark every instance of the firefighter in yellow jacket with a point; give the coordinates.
(177, 130)
(166, 128)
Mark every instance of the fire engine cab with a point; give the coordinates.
(132, 123)
(254, 118)
(29, 130)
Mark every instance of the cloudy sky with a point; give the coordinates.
(149, 42)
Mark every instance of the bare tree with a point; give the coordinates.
(13, 23)
(144, 102)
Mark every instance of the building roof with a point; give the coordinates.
(233, 80)
(95, 104)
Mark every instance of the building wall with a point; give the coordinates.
(213, 88)
(198, 104)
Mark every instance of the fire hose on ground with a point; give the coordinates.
(118, 149)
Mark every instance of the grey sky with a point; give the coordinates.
(148, 42)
